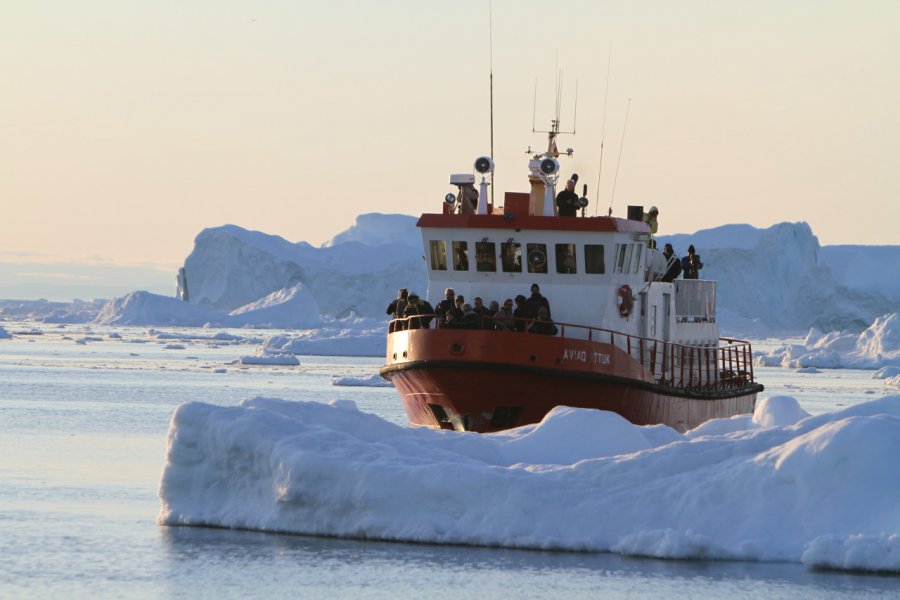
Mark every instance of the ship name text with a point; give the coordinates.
(597, 358)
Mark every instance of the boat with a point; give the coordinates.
(626, 340)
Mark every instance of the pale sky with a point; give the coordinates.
(128, 127)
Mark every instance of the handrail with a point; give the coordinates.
(728, 365)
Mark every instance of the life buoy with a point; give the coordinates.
(625, 301)
(537, 259)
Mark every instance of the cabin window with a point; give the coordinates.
(537, 258)
(486, 256)
(511, 257)
(565, 258)
(593, 259)
(438, 255)
(623, 258)
(460, 256)
(637, 250)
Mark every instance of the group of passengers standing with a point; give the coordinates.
(530, 314)
(689, 266)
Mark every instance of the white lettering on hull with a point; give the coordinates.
(597, 358)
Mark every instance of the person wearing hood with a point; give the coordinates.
(691, 265)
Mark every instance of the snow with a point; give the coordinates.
(876, 347)
(373, 380)
(4, 335)
(778, 486)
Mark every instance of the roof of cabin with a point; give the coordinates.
(539, 223)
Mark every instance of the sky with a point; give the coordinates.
(128, 127)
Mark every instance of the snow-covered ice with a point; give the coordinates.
(779, 485)
(265, 358)
(876, 347)
(373, 380)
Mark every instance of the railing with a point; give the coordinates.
(727, 365)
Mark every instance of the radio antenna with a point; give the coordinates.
(603, 131)
(491, 50)
(554, 130)
(618, 162)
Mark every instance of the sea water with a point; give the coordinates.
(83, 423)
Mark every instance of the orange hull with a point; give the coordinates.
(485, 381)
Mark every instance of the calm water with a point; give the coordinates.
(82, 446)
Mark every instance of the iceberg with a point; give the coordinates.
(778, 486)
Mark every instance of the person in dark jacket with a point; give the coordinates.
(543, 325)
(397, 307)
(535, 302)
(416, 307)
(567, 201)
(674, 269)
(455, 315)
(503, 318)
(691, 265)
(445, 305)
(520, 313)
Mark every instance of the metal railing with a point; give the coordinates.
(727, 365)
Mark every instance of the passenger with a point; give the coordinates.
(567, 200)
(480, 308)
(535, 302)
(455, 314)
(673, 264)
(445, 305)
(491, 314)
(416, 307)
(396, 308)
(470, 318)
(650, 220)
(503, 320)
(543, 325)
(520, 313)
(691, 264)
(462, 260)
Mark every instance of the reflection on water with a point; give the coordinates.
(270, 564)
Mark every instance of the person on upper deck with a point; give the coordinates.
(535, 302)
(652, 223)
(691, 265)
(543, 325)
(650, 219)
(567, 200)
(673, 264)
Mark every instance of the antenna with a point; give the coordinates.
(491, 48)
(554, 130)
(621, 145)
(603, 134)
